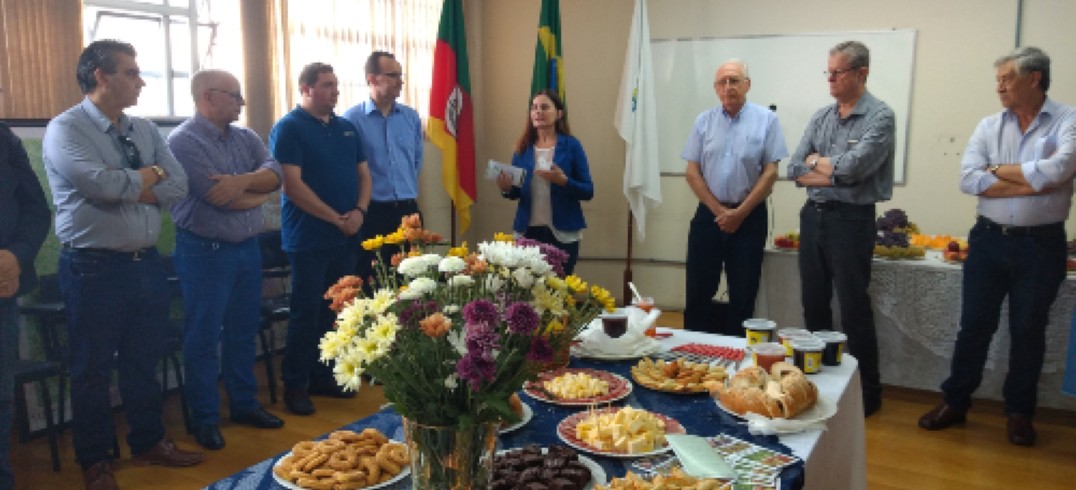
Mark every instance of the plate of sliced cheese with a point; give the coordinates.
(578, 387)
(678, 376)
(345, 459)
(624, 432)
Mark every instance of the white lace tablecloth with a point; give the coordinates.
(917, 315)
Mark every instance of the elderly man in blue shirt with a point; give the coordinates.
(24, 223)
(391, 135)
(1020, 163)
(110, 175)
(732, 156)
(217, 257)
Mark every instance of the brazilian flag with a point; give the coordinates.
(548, 63)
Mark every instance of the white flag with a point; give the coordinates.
(637, 123)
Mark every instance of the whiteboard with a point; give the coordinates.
(785, 71)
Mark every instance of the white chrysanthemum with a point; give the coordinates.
(368, 350)
(422, 285)
(348, 374)
(450, 309)
(455, 338)
(384, 330)
(413, 266)
(382, 300)
(460, 280)
(523, 277)
(353, 313)
(546, 300)
(452, 381)
(330, 346)
(494, 283)
(451, 265)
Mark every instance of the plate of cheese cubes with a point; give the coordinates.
(619, 432)
(578, 387)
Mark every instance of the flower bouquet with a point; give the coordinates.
(452, 337)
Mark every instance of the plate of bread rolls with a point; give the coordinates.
(783, 392)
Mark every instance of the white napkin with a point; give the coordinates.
(634, 341)
(760, 425)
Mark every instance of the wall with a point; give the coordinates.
(953, 89)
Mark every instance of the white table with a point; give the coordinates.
(917, 314)
(835, 458)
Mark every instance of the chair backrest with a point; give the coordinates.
(49, 315)
(273, 256)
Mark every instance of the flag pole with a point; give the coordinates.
(627, 265)
(452, 212)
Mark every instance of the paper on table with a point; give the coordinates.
(494, 169)
(699, 458)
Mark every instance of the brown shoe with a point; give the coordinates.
(942, 417)
(99, 476)
(1021, 432)
(165, 453)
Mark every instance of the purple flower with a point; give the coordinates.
(555, 257)
(540, 350)
(416, 311)
(481, 311)
(475, 370)
(481, 339)
(522, 319)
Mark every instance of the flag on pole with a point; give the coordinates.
(451, 123)
(548, 63)
(636, 122)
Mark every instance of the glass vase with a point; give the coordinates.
(450, 457)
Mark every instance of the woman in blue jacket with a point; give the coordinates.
(549, 209)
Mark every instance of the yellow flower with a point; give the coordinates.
(347, 374)
(395, 238)
(460, 251)
(331, 344)
(556, 283)
(373, 243)
(570, 301)
(503, 237)
(554, 327)
(575, 283)
(384, 330)
(604, 297)
(382, 300)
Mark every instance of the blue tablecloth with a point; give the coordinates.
(698, 414)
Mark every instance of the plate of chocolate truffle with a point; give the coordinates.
(557, 467)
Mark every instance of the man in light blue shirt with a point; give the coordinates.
(732, 156)
(217, 255)
(392, 139)
(110, 175)
(1020, 163)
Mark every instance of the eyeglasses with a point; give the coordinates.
(836, 73)
(395, 75)
(130, 152)
(234, 95)
(729, 82)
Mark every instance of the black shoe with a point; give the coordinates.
(329, 391)
(209, 437)
(258, 418)
(942, 417)
(298, 402)
(1020, 430)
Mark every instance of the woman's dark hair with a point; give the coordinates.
(530, 133)
(99, 54)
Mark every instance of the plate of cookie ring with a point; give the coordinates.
(346, 460)
(678, 376)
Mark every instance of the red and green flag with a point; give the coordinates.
(451, 123)
(548, 63)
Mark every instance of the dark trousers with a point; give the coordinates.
(1028, 269)
(836, 248)
(382, 218)
(312, 273)
(711, 251)
(545, 235)
(9, 346)
(117, 310)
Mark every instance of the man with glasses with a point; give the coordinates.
(391, 135)
(1020, 163)
(732, 156)
(217, 257)
(326, 194)
(24, 223)
(845, 160)
(110, 175)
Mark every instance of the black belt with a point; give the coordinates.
(396, 204)
(730, 205)
(104, 252)
(1051, 229)
(832, 205)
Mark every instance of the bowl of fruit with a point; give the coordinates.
(788, 241)
(956, 251)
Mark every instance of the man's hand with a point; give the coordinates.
(226, 189)
(9, 274)
(730, 220)
(350, 222)
(554, 175)
(814, 179)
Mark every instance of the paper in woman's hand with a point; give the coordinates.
(494, 169)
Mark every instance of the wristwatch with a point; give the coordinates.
(813, 163)
(993, 169)
(161, 174)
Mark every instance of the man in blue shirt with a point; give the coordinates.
(732, 156)
(392, 140)
(217, 257)
(1020, 163)
(110, 175)
(845, 160)
(326, 195)
(24, 222)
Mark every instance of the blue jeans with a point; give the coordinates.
(222, 285)
(836, 249)
(739, 254)
(117, 310)
(1026, 269)
(312, 273)
(9, 345)
(1070, 360)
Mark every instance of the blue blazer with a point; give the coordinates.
(567, 213)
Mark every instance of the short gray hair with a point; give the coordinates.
(858, 54)
(1026, 60)
(737, 61)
